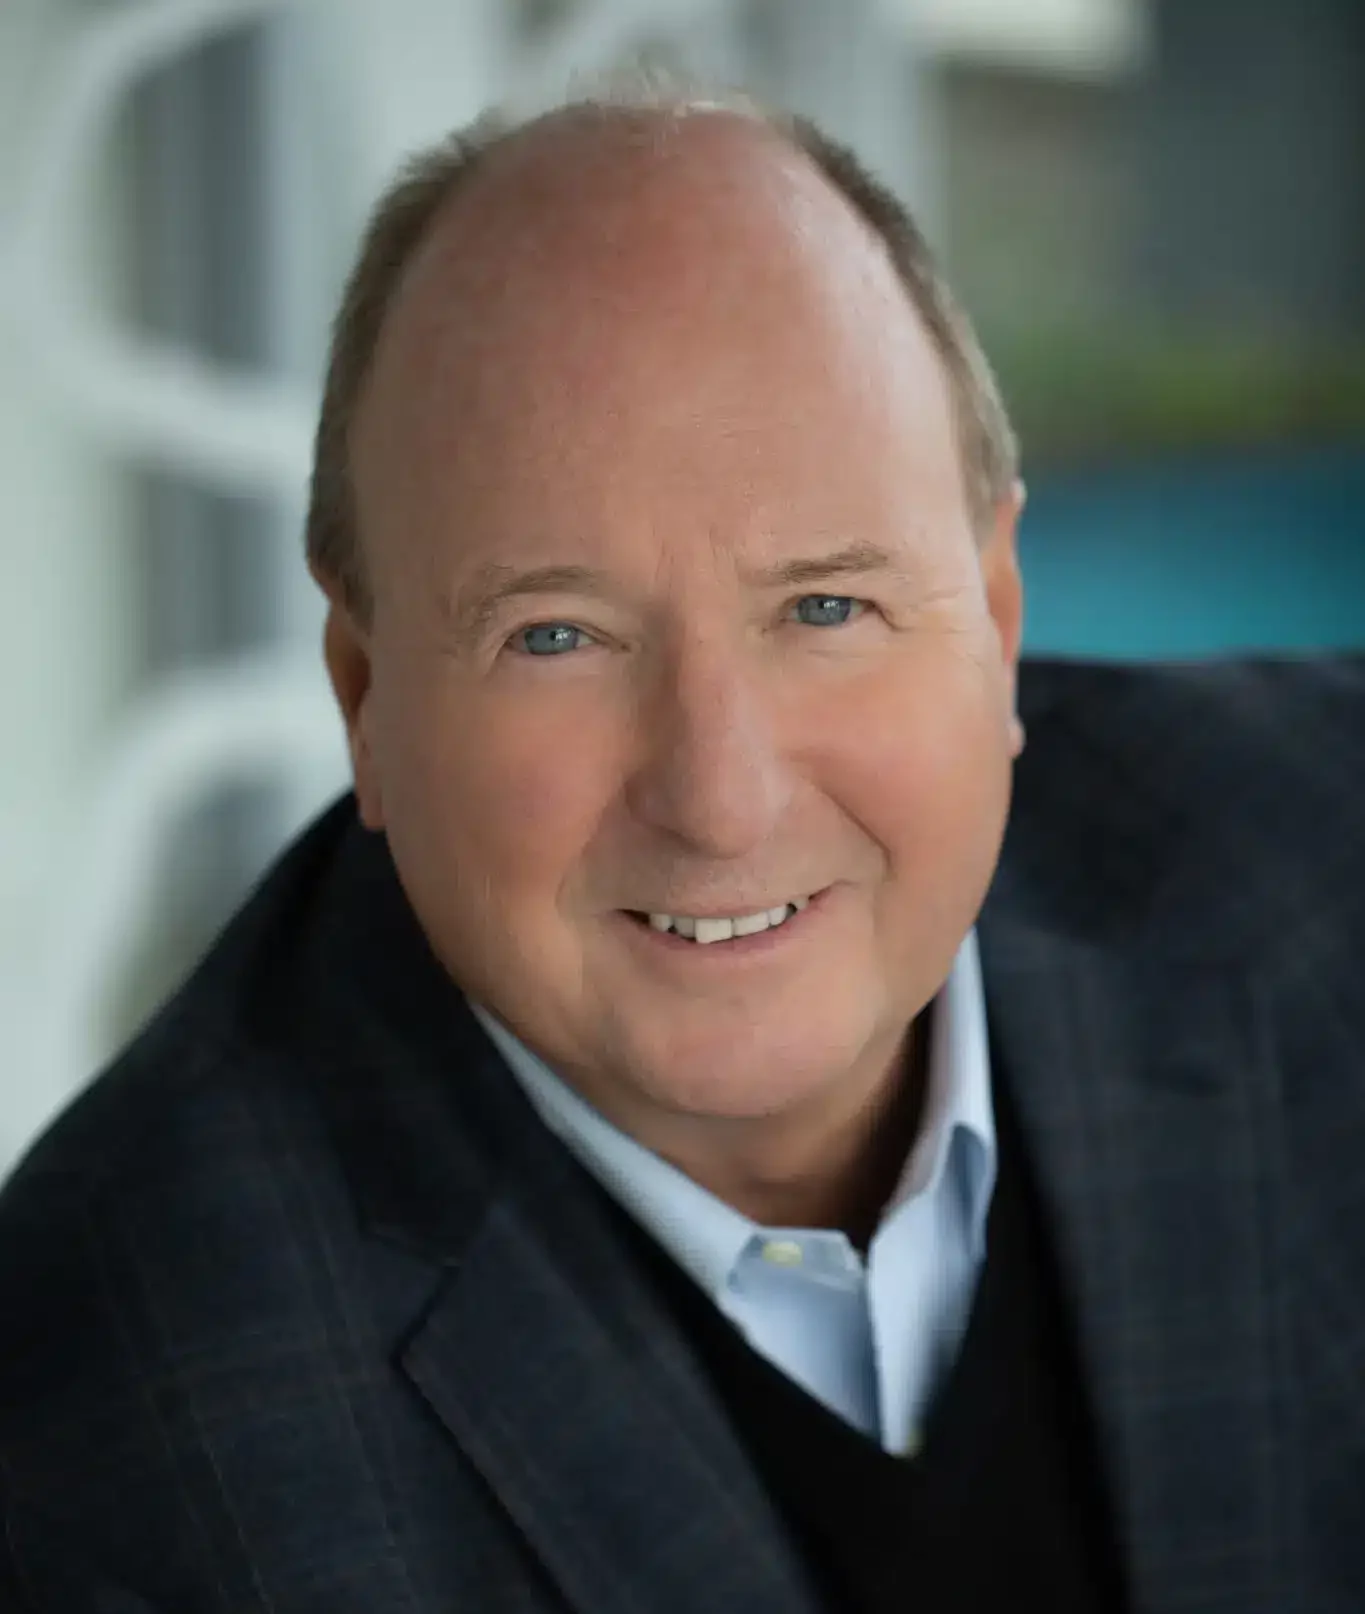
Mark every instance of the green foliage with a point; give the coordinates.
(1078, 395)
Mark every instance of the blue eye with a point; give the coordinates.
(548, 639)
(827, 610)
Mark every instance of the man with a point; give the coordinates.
(650, 1148)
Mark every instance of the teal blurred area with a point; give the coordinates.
(1198, 556)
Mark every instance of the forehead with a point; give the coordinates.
(686, 307)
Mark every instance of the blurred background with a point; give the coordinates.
(1154, 209)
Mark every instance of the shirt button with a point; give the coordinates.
(782, 1252)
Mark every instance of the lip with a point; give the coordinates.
(663, 944)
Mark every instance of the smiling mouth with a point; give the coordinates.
(707, 930)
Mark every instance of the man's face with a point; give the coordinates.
(678, 613)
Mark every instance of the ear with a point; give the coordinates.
(347, 651)
(1005, 595)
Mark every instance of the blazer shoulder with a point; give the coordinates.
(166, 1250)
(157, 1209)
(1213, 803)
(206, 1194)
(1268, 708)
(164, 1152)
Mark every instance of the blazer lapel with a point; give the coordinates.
(546, 1361)
(543, 1351)
(1148, 1102)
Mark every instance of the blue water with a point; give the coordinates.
(1198, 557)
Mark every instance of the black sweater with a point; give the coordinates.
(1004, 1504)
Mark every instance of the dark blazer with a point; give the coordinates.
(303, 1312)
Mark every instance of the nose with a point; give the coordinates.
(712, 772)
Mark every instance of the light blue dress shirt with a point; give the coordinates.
(871, 1339)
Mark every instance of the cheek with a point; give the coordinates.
(925, 770)
(509, 792)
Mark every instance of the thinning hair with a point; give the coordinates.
(404, 215)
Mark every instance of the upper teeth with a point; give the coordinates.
(714, 930)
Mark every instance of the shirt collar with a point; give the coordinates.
(702, 1233)
(705, 1235)
(957, 1096)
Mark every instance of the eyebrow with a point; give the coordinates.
(854, 560)
(476, 604)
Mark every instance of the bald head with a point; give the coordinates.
(574, 251)
(606, 279)
(640, 204)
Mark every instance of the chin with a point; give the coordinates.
(760, 1074)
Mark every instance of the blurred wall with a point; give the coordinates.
(66, 655)
(1252, 125)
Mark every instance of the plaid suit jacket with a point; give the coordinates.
(303, 1312)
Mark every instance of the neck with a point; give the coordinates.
(838, 1174)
